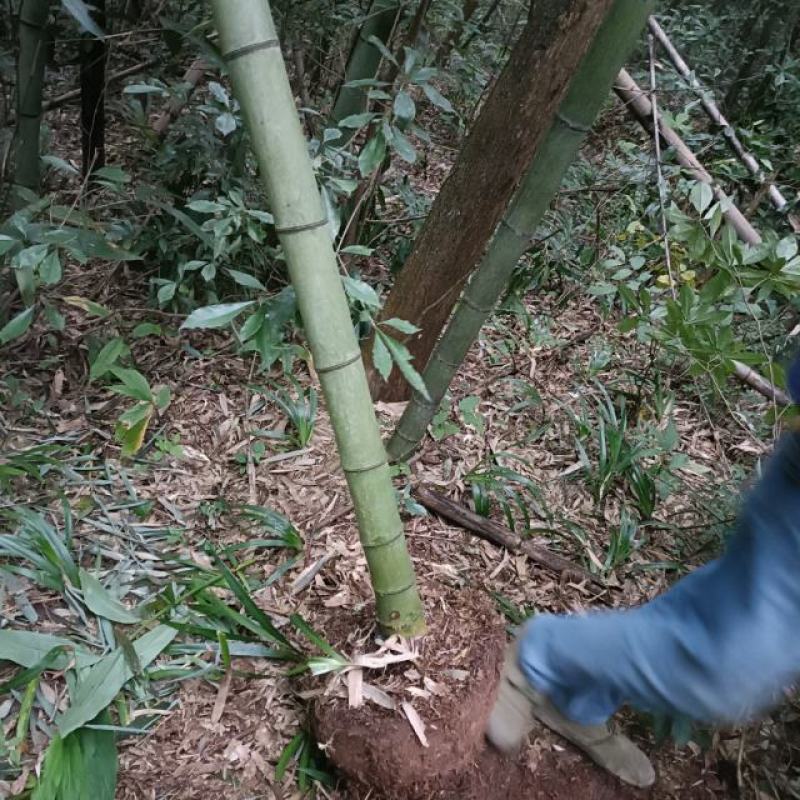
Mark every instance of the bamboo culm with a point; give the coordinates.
(513, 238)
(30, 85)
(362, 64)
(252, 52)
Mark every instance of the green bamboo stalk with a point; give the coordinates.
(251, 49)
(30, 83)
(583, 101)
(362, 64)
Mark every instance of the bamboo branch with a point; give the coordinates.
(716, 116)
(194, 75)
(501, 536)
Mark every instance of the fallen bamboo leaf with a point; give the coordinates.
(377, 696)
(355, 684)
(416, 722)
(222, 697)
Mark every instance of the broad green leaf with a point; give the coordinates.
(28, 648)
(106, 358)
(162, 397)
(403, 147)
(17, 326)
(89, 306)
(50, 269)
(134, 383)
(217, 316)
(361, 291)
(166, 292)
(248, 281)
(357, 250)
(100, 601)
(99, 686)
(701, 196)
(402, 357)
(356, 121)
(144, 88)
(53, 660)
(381, 357)
(437, 98)
(401, 325)
(132, 437)
(404, 107)
(80, 11)
(6, 243)
(385, 52)
(205, 206)
(30, 256)
(372, 154)
(226, 124)
(146, 329)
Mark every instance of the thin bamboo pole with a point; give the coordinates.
(584, 99)
(639, 105)
(251, 49)
(30, 82)
(726, 129)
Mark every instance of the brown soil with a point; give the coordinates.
(462, 654)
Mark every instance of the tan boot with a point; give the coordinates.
(519, 706)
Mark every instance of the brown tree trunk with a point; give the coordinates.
(93, 94)
(516, 116)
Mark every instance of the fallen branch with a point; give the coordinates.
(761, 384)
(498, 534)
(725, 127)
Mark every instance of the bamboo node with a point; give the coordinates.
(376, 545)
(308, 226)
(441, 360)
(359, 470)
(341, 365)
(396, 592)
(474, 306)
(250, 48)
(571, 124)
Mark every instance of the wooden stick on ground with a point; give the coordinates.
(498, 534)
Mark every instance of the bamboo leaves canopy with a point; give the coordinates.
(251, 49)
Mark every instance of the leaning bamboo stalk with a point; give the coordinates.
(31, 65)
(251, 49)
(717, 117)
(362, 64)
(637, 102)
(582, 102)
(639, 105)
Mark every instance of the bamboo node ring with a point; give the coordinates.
(308, 226)
(359, 470)
(573, 126)
(385, 543)
(250, 48)
(341, 365)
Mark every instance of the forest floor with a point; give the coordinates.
(225, 737)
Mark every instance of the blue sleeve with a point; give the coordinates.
(794, 380)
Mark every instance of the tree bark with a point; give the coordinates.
(516, 117)
(94, 53)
